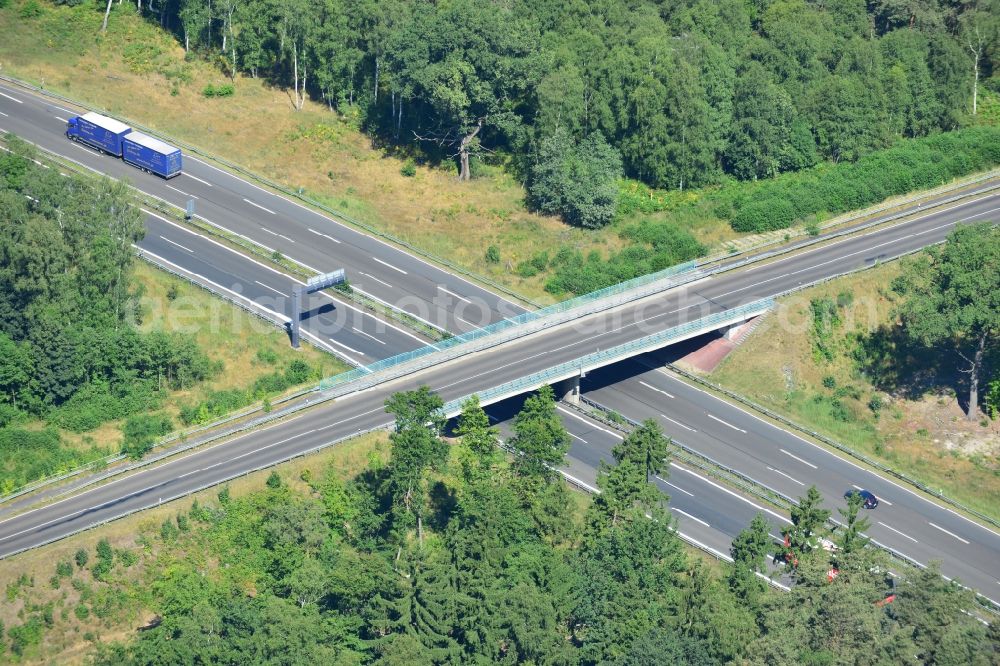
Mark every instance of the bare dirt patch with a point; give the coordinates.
(918, 427)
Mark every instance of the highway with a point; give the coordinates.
(732, 441)
(376, 268)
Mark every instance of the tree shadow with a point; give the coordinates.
(901, 366)
(443, 503)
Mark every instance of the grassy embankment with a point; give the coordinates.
(114, 607)
(139, 71)
(85, 609)
(247, 347)
(908, 418)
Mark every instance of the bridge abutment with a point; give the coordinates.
(568, 390)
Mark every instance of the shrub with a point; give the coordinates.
(992, 398)
(141, 431)
(221, 90)
(493, 254)
(81, 612)
(104, 551)
(267, 356)
(127, 558)
(274, 480)
(31, 9)
(297, 372)
(168, 530)
(578, 182)
(409, 169)
(829, 382)
(840, 412)
(81, 558)
(64, 569)
(25, 635)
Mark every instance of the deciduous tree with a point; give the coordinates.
(951, 297)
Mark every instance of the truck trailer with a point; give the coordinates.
(150, 154)
(98, 131)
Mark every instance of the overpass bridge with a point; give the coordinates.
(516, 355)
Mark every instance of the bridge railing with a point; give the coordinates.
(526, 323)
(613, 354)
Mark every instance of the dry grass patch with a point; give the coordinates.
(926, 437)
(70, 638)
(138, 72)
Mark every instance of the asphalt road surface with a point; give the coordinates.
(446, 300)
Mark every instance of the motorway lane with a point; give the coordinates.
(383, 271)
(915, 526)
(700, 300)
(452, 380)
(340, 326)
(702, 508)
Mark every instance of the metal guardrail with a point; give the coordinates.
(607, 356)
(512, 329)
(843, 448)
(697, 459)
(198, 489)
(754, 487)
(796, 232)
(287, 191)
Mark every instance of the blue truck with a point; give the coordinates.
(150, 154)
(99, 132)
(116, 138)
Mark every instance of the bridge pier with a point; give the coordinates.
(568, 390)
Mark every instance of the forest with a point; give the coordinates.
(70, 350)
(447, 550)
(676, 94)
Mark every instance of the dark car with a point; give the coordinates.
(870, 501)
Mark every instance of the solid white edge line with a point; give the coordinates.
(588, 422)
(218, 244)
(219, 286)
(730, 492)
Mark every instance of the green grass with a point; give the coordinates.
(139, 71)
(127, 596)
(926, 437)
(248, 348)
